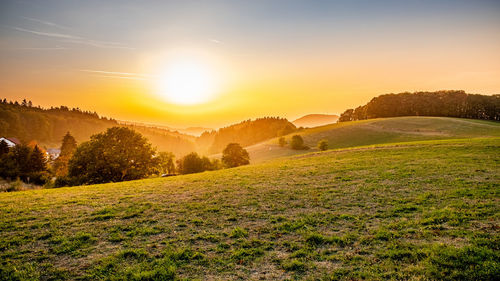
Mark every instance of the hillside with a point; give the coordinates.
(379, 131)
(314, 120)
(245, 133)
(48, 126)
(447, 103)
(420, 211)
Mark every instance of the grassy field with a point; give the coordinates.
(417, 211)
(379, 131)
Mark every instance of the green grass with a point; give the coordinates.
(417, 211)
(379, 131)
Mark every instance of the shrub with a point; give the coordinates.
(323, 145)
(193, 163)
(297, 143)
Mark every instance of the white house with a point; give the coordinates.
(11, 142)
(53, 153)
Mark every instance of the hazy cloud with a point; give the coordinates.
(119, 75)
(46, 23)
(48, 34)
(44, 48)
(98, 44)
(74, 39)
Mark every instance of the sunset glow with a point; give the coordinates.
(187, 83)
(214, 63)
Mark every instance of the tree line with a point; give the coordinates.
(441, 103)
(48, 125)
(118, 154)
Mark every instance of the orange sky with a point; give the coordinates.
(303, 61)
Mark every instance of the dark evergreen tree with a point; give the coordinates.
(4, 147)
(37, 161)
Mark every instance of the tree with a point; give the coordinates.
(119, 154)
(4, 147)
(193, 163)
(37, 162)
(68, 148)
(323, 145)
(165, 163)
(21, 158)
(68, 145)
(234, 155)
(297, 142)
(282, 141)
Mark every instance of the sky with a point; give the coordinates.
(213, 63)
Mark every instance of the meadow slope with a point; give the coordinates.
(420, 211)
(378, 131)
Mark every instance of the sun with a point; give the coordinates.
(187, 82)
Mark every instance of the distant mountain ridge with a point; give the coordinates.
(192, 131)
(314, 120)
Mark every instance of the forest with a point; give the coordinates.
(440, 103)
(48, 126)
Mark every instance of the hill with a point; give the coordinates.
(449, 103)
(420, 211)
(379, 131)
(314, 120)
(48, 126)
(245, 133)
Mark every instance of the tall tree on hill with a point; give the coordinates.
(234, 155)
(119, 154)
(68, 148)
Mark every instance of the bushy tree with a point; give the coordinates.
(194, 163)
(323, 145)
(282, 141)
(297, 142)
(165, 163)
(234, 155)
(119, 154)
